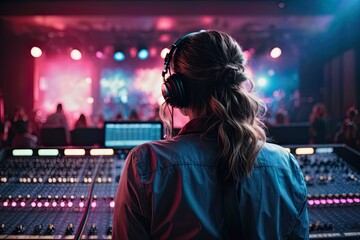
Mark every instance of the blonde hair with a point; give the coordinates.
(217, 86)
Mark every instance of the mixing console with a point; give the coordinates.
(69, 193)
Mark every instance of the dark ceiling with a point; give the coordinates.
(103, 22)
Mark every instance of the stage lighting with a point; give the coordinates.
(164, 52)
(75, 54)
(36, 52)
(275, 52)
(262, 82)
(143, 54)
(119, 56)
(99, 54)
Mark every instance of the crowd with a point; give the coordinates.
(23, 131)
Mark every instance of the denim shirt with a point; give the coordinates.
(171, 189)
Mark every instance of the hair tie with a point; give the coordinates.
(233, 74)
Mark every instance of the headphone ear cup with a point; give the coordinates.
(173, 91)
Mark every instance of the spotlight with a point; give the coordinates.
(275, 52)
(119, 56)
(164, 52)
(99, 54)
(75, 54)
(36, 52)
(143, 54)
(262, 82)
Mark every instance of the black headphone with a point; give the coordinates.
(173, 89)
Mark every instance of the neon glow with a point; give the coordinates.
(48, 152)
(102, 151)
(324, 150)
(22, 152)
(302, 151)
(73, 83)
(74, 152)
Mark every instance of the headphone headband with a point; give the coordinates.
(169, 55)
(173, 89)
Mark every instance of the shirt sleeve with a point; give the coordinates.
(273, 200)
(300, 229)
(129, 220)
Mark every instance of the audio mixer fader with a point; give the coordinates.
(69, 193)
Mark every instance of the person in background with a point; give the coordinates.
(20, 115)
(281, 117)
(81, 122)
(349, 131)
(99, 121)
(23, 137)
(318, 131)
(58, 119)
(175, 188)
(133, 116)
(119, 117)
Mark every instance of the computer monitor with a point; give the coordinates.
(130, 134)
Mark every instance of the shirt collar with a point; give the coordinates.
(195, 125)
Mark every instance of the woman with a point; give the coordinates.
(173, 188)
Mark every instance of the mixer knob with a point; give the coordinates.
(109, 230)
(38, 229)
(93, 230)
(2, 228)
(69, 229)
(20, 229)
(51, 228)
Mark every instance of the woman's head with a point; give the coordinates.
(207, 62)
(211, 68)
